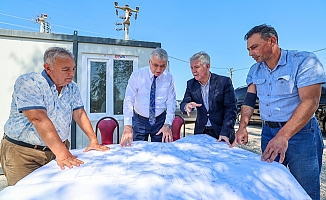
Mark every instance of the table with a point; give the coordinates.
(194, 167)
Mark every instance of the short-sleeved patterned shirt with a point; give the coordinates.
(37, 91)
(277, 89)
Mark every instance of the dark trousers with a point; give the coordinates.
(142, 129)
(210, 131)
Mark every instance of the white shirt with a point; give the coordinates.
(138, 93)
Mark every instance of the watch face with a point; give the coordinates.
(167, 125)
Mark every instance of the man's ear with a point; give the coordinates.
(273, 40)
(47, 67)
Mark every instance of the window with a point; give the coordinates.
(107, 79)
(122, 70)
(98, 87)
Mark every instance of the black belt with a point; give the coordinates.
(135, 113)
(24, 144)
(274, 124)
(209, 127)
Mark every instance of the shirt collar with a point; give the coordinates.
(207, 83)
(151, 75)
(47, 78)
(282, 60)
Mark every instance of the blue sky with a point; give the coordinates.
(184, 27)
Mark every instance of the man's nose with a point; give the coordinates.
(71, 72)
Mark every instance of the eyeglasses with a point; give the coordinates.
(157, 65)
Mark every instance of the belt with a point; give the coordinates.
(209, 127)
(24, 144)
(138, 115)
(274, 124)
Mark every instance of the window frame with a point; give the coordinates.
(85, 83)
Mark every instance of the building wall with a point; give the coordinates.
(22, 52)
(19, 56)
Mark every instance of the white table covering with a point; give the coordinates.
(194, 167)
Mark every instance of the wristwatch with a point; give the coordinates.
(167, 126)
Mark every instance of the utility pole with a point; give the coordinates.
(231, 74)
(126, 23)
(45, 26)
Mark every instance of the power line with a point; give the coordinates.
(70, 11)
(178, 59)
(18, 25)
(81, 30)
(51, 25)
(320, 50)
(15, 17)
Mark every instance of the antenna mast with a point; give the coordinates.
(45, 26)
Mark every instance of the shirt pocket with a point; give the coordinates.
(261, 90)
(284, 85)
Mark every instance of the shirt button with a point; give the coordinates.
(270, 72)
(207, 114)
(270, 84)
(269, 115)
(268, 95)
(267, 104)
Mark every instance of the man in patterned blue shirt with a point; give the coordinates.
(288, 85)
(42, 109)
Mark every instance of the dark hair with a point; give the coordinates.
(266, 32)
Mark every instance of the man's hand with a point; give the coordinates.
(226, 139)
(127, 136)
(94, 145)
(167, 134)
(66, 159)
(277, 145)
(191, 105)
(241, 137)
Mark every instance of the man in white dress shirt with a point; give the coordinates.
(137, 104)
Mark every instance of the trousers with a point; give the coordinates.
(142, 129)
(303, 156)
(18, 161)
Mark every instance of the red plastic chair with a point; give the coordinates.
(177, 123)
(107, 125)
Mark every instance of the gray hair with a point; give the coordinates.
(266, 32)
(52, 53)
(160, 54)
(202, 56)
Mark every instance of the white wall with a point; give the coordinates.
(19, 56)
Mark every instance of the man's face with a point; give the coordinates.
(200, 71)
(157, 66)
(62, 72)
(259, 49)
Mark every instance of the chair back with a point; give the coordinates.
(107, 125)
(177, 123)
